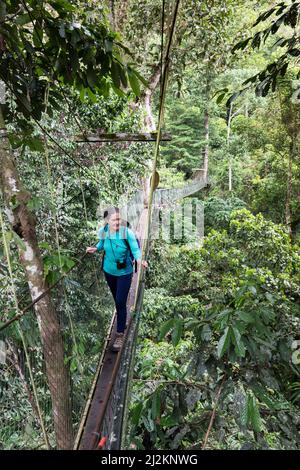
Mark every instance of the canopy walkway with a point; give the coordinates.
(99, 388)
(104, 420)
(71, 397)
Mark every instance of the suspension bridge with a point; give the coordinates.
(99, 387)
(73, 398)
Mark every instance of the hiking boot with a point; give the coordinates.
(118, 342)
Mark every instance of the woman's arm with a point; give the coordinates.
(135, 249)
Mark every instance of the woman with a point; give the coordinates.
(117, 265)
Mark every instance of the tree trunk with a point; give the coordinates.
(111, 14)
(120, 12)
(145, 100)
(291, 155)
(206, 124)
(23, 223)
(206, 137)
(154, 80)
(229, 117)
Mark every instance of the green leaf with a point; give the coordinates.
(52, 277)
(23, 19)
(61, 5)
(136, 413)
(253, 290)
(239, 345)
(68, 263)
(247, 317)
(134, 82)
(221, 97)
(37, 37)
(245, 413)
(115, 73)
(254, 414)
(123, 76)
(82, 95)
(62, 31)
(177, 332)
(155, 406)
(34, 203)
(149, 424)
(118, 91)
(140, 77)
(29, 429)
(91, 95)
(45, 245)
(80, 348)
(24, 105)
(108, 45)
(241, 44)
(270, 298)
(250, 414)
(2, 9)
(8, 236)
(237, 94)
(168, 421)
(224, 343)
(206, 333)
(264, 16)
(73, 365)
(165, 328)
(91, 77)
(35, 144)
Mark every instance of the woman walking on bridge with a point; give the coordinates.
(120, 248)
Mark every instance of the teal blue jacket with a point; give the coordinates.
(115, 248)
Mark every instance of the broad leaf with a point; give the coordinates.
(224, 342)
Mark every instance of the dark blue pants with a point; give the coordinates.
(119, 286)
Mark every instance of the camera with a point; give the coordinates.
(121, 264)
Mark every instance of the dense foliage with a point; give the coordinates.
(229, 312)
(220, 327)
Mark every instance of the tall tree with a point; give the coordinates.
(198, 43)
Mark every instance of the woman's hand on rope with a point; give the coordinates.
(144, 263)
(91, 249)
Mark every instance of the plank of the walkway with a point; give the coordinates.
(96, 407)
